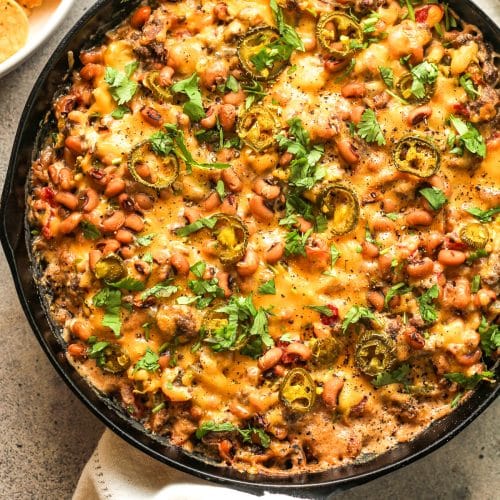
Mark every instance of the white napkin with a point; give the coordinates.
(118, 471)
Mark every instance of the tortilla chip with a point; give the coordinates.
(13, 28)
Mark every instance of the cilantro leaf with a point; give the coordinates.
(469, 136)
(490, 337)
(475, 284)
(190, 87)
(255, 93)
(145, 240)
(110, 300)
(121, 88)
(399, 376)
(425, 301)
(268, 288)
(161, 143)
(477, 254)
(325, 310)
(120, 112)
(210, 426)
(434, 196)
(247, 435)
(198, 269)
(148, 362)
(387, 75)
(355, 314)
(468, 85)
(90, 231)
(295, 243)
(399, 289)
(195, 226)
(162, 290)
(127, 283)
(288, 33)
(468, 383)
(369, 129)
(484, 215)
(425, 73)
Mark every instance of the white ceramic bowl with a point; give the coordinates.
(43, 21)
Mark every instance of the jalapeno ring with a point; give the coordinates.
(324, 351)
(231, 234)
(254, 41)
(151, 82)
(116, 360)
(336, 32)
(417, 156)
(258, 127)
(340, 204)
(375, 353)
(475, 235)
(110, 268)
(404, 86)
(298, 391)
(161, 173)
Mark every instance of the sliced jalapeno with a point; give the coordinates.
(255, 41)
(152, 82)
(340, 204)
(150, 169)
(417, 156)
(375, 353)
(475, 235)
(339, 34)
(324, 351)
(298, 391)
(258, 127)
(231, 234)
(110, 268)
(404, 88)
(115, 359)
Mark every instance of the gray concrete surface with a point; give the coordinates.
(46, 434)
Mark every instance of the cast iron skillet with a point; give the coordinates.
(14, 236)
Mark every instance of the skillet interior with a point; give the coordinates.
(103, 15)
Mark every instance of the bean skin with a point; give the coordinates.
(414, 339)
(91, 71)
(420, 269)
(469, 359)
(249, 264)
(124, 236)
(348, 151)
(134, 222)
(66, 181)
(451, 257)
(275, 253)
(376, 299)
(74, 144)
(151, 116)
(192, 214)
(382, 224)
(356, 113)
(113, 222)
(140, 17)
(227, 117)
(223, 279)
(76, 350)
(210, 119)
(180, 263)
(303, 351)
(331, 391)
(369, 250)
(94, 257)
(419, 114)
(110, 246)
(229, 205)
(231, 180)
(69, 200)
(259, 209)
(353, 89)
(221, 12)
(81, 330)
(211, 202)
(143, 201)
(269, 359)
(115, 187)
(92, 56)
(234, 98)
(70, 223)
(126, 252)
(432, 241)
(268, 191)
(419, 218)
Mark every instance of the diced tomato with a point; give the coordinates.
(330, 320)
(421, 14)
(461, 109)
(48, 196)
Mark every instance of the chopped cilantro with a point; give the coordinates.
(469, 136)
(90, 231)
(268, 288)
(324, 310)
(475, 284)
(425, 73)
(399, 289)
(484, 215)
(490, 337)
(110, 300)
(208, 222)
(145, 240)
(434, 196)
(120, 112)
(477, 254)
(387, 75)
(127, 283)
(295, 243)
(255, 92)
(190, 87)
(148, 362)
(468, 85)
(426, 304)
(161, 290)
(369, 129)
(121, 88)
(399, 376)
(355, 314)
(468, 383)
